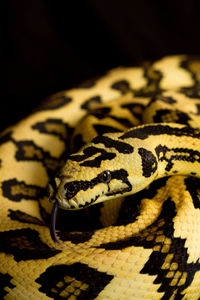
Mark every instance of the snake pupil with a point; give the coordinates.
(105, 176)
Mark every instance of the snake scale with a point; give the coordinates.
(144, 158)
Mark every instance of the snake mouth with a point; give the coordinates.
(74, 205)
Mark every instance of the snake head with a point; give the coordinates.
(94, 174)
(79, 188)
(104, 169)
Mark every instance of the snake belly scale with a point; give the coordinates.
(130, 224)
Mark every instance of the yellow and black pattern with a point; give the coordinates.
(142, 246)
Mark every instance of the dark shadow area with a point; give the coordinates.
(53, 45)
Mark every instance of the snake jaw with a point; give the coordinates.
(74, 204)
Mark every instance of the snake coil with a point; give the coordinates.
(122, 155)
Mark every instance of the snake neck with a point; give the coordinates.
(166, 149)
(183, 158)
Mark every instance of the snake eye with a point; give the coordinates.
(71, 190)
(105, 176)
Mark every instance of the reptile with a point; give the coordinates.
(120, 156)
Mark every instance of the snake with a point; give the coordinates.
(100, 189)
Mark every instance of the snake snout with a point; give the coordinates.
(66, 191)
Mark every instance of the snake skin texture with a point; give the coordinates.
(144, 246)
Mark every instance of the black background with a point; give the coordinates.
(53, 45)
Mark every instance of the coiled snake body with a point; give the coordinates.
(141, 244)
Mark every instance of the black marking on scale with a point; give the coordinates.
(73, 187)
(110, 143)
(101, 112)
(166, 99)
(101, 129)
(123, 121)
(198, 109)
(136, 109)
(149, 162)
(121, 175)
(180, 117)
(122, 85)
(93, 162)
(78, 142)
(192, 186)
(88, 103)
(149, 239)
(193, 173)
(180, 154)
(143, 133)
